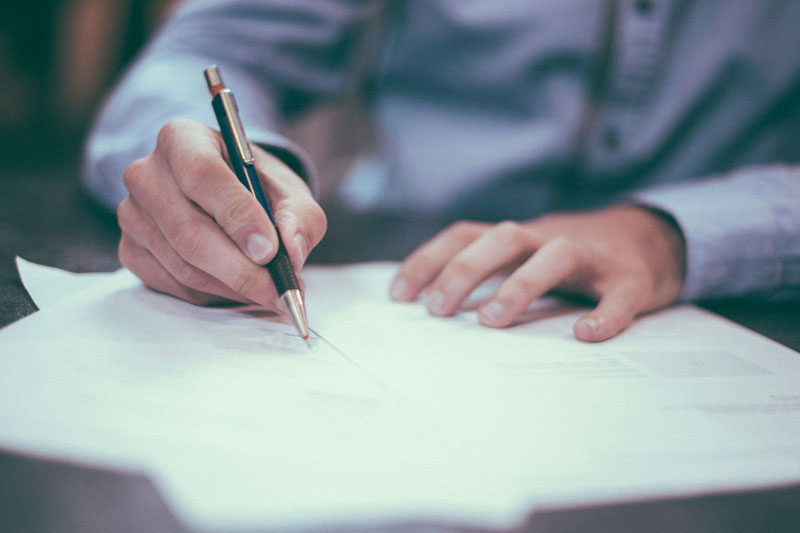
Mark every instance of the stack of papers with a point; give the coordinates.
(392, 415)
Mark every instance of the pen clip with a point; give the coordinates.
(239, 138)
(231, 110)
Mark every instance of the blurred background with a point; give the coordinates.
(57, 59)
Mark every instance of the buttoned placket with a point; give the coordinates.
(637, 48)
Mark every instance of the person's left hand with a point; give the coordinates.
(627, 258)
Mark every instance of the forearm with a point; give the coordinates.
(274, 54)
(153, 93)
(742, 231)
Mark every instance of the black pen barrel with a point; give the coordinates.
(280, 268)
(243, 163)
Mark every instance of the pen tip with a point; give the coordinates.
(293, 304)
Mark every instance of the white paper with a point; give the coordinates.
(49, 285)
(393, 415)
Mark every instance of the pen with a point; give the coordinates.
(243, 163)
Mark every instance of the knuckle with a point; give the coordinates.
(174, 265)
(192, 172)
(571, 256)
(461, 269)
(125, 254)
(187, 275)
(235, 213)
(509, 233)
(460, 229)
(187, 239)
(316, 221)
(131, 226)
(285, 217)
(560, 243)
(318, 217)
(134, 174)
(150, 242)
(244, 283)
(169, 132)
(124, 212)
(563, 246)
(520, 285)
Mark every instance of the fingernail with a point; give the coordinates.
(259, 247)
(434, 301)
(586, 329)
(591, 323)
(302, 245)
(493, 311)
(398, 289)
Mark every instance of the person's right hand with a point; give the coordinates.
(190, 229)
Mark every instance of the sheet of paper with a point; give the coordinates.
(393, 415)
(49, 285)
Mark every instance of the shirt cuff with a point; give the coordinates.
(731, 235)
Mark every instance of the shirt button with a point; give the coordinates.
(610, 138)
(643, 7)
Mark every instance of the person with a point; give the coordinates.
(636, 152)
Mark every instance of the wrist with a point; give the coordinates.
(667, 249)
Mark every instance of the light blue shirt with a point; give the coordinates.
(508, 109)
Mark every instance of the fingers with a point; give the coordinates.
(194, 157)
(560, 263)
(302, 225)
(141, 236)
(496, 248)
(554, 263)
(615, 311)
(195, 237)
(455, 262)
(199, 231)
(139, 261)
(300, 219)
(425, 264)
(622, 256)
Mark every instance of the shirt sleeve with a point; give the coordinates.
(742, 231)
(279, 57)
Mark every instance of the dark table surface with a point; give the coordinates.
(46, 218)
